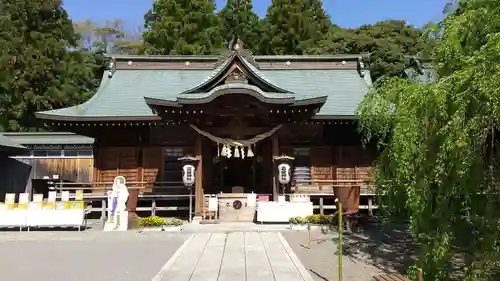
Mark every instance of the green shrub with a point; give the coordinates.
(152, 221)
(319, 219)
(174, 222)
(298, 220)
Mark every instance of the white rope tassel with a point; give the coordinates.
(236, 152)
(250, 152)
(242, 152)
(218, 151)
(223, 152)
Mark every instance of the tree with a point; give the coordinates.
(39, 67)
(293, 27)
(132, 43)
(439, 141)
(388, 43)
(185, 27)
(109, 38)
(238, 19)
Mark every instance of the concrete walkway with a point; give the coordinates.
(236, 256)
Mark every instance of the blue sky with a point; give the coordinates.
(345, 13)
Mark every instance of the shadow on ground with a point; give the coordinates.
(388, 249)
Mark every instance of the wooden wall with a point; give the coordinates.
(335, 152)
(138, 153)
(338, 162)
(136, 164)
(68, 169)
(16, 174)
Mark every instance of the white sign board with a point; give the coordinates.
(65, 196)
(24, 198)
(251, 200)
(213, 203)
(10, 198)
(52, 196)
(38, 198)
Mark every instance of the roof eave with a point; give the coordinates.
(335, 117)
(244, 91)
(154, 102)
(317, 100)
(65, 118)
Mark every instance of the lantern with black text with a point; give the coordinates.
(188, 170)
(284, 173)
(188, 175)
(283, 166)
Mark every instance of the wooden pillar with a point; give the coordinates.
(133, 197)
(275, 152)
(198, 189)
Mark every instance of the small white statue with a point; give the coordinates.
(117, 203)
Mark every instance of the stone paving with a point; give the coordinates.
(235, 256)
(86, 255)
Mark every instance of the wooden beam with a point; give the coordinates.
(275, 152)
(198, 190)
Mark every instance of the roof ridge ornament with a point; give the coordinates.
(236, 46)
(416, 64)
(111, 67)
(361, 67)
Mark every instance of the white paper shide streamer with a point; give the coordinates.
(236, 148)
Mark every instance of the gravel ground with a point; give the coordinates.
(366, 253)
(85, 256)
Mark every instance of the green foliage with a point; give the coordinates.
(156, 221)
(293, 27)
(388, 42)
(152, 221)
(183, 27)
(110, 38)
(238, 19)
(313, 219)
(319, 219)
(174, 222)
(38, 68)
(439, 146)
(298, 220)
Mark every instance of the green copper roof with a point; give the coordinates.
(268, 95)
(48, 138)
(7, 144)
(121, 97)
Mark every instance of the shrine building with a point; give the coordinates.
(234, 113)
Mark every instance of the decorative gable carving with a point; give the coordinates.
(236, 76)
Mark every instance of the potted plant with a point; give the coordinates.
(173, 225)
(298, 223)
(153, 223)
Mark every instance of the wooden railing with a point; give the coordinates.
(324, 189)
(318, 190)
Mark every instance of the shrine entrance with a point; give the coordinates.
(246, 175)
(251, 173)
(238, 174)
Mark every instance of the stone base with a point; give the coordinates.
(172, 228)
(133, 220)
(111, 226)
(152, 229)
(298, 226)
(196, 220)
